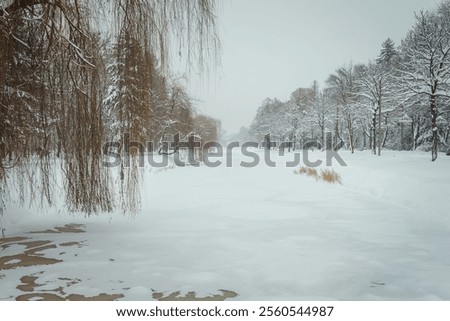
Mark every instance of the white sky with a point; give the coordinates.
(272, 47)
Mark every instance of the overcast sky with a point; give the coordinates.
(272, 47)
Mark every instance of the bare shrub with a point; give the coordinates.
(308, 171)
(326, 175)
(303, 170)
(330, 176)
(312, 172)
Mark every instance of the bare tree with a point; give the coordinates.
(320, 109)
(374, 86)
(426, 65)
(342, 84)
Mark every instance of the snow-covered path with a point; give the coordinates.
(263, 233)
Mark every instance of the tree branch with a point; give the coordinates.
(21, 4)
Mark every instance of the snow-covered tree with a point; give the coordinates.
(342, 84)
(207, 128)
(271, 117)
(177, 116)
(388, 56)
(299, 104)
(425, 65)
(320, 110)
(375, 84)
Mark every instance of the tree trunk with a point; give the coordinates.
(401, 136)
(384, 138)
(374, 133)
(322, 132)
(350, 135)
(364, 140)
(379, 127)
(415, 131)
(434, 127)
(336, 127)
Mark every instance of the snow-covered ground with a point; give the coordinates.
(263, 233)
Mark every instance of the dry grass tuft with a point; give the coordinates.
(303, 170)
(330, 176)
(326, 175)
(308, 171)
(312, 172)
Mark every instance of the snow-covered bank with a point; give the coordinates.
(261, 232)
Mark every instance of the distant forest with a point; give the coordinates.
(400, 100)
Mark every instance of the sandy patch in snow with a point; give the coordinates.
(192, 296)
(34, 255)
(71, 297)
(68, 228)
(39, 286)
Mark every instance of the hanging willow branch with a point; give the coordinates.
(55, 78)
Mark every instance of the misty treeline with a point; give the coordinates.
(75, 74)
(400, 100)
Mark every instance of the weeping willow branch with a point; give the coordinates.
(55, 79)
